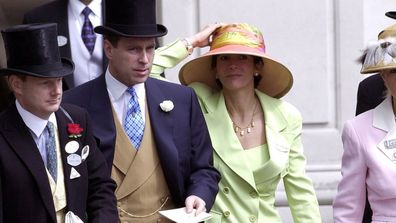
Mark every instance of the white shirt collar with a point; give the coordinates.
(117, 89)
(33, 122)
(77, 7)
(383, 117)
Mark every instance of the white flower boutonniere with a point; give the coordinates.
(167, 106)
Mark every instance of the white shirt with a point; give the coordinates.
(87, 66)
(119, 97)
(37, 126)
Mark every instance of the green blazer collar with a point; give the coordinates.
(227, 146)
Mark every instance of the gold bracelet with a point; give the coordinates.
(188, 45)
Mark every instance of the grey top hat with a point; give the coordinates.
(131, 18)
(32, 49)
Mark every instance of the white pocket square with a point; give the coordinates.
(72, 218)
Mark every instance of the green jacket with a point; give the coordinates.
(246, 196)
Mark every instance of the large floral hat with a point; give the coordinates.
(239, 38)
(380, 54)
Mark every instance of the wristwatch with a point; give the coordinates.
(189, 46)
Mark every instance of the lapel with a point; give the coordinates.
(276, 135)
(384, 119)
(20, 139)
(124, 153)
(62, 122)
(162, 129)
(100, 110)
(222, 136)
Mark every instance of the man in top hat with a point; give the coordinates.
(50, 167)
(151, 131)
(76, 20)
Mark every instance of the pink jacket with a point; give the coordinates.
(368, 162)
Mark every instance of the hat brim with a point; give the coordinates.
(378, 68)
(276, 79)
(391, 14)
(107, 30)
(67, 68)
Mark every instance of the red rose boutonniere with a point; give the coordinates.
(74, 130)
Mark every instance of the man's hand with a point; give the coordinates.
(194, 202)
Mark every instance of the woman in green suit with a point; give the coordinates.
(255, 135)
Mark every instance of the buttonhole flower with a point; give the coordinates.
(167, 106)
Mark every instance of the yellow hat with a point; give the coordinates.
(381, 54)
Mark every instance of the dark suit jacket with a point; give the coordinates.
(56, 12)
(25, 193)
(181, 135)
(370, 93)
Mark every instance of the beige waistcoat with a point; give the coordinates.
(141, 187)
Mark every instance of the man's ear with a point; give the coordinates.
(15, 83)
(108, 49)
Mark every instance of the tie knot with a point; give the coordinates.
(131, 91)
(50, 127)
(86, 11)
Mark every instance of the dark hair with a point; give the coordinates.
(256, 79)
(20, 76)
(113, 39)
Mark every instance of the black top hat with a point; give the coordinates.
(131, 18)
(391, 14)
(32, 49)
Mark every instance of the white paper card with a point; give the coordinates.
(180, 215)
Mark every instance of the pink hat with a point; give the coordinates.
(239, 38)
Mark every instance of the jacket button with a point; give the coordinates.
(252, 218)
(226, 190)
(226, 213)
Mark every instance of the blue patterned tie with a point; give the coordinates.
(51, 151)
(87, 34)
(134, 125)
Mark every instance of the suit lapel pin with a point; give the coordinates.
(390, 144)
(74, 159)
(62, 40)
(72, 147)
(85, 152)
(74, 174)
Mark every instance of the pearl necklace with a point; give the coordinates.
(241, 131)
